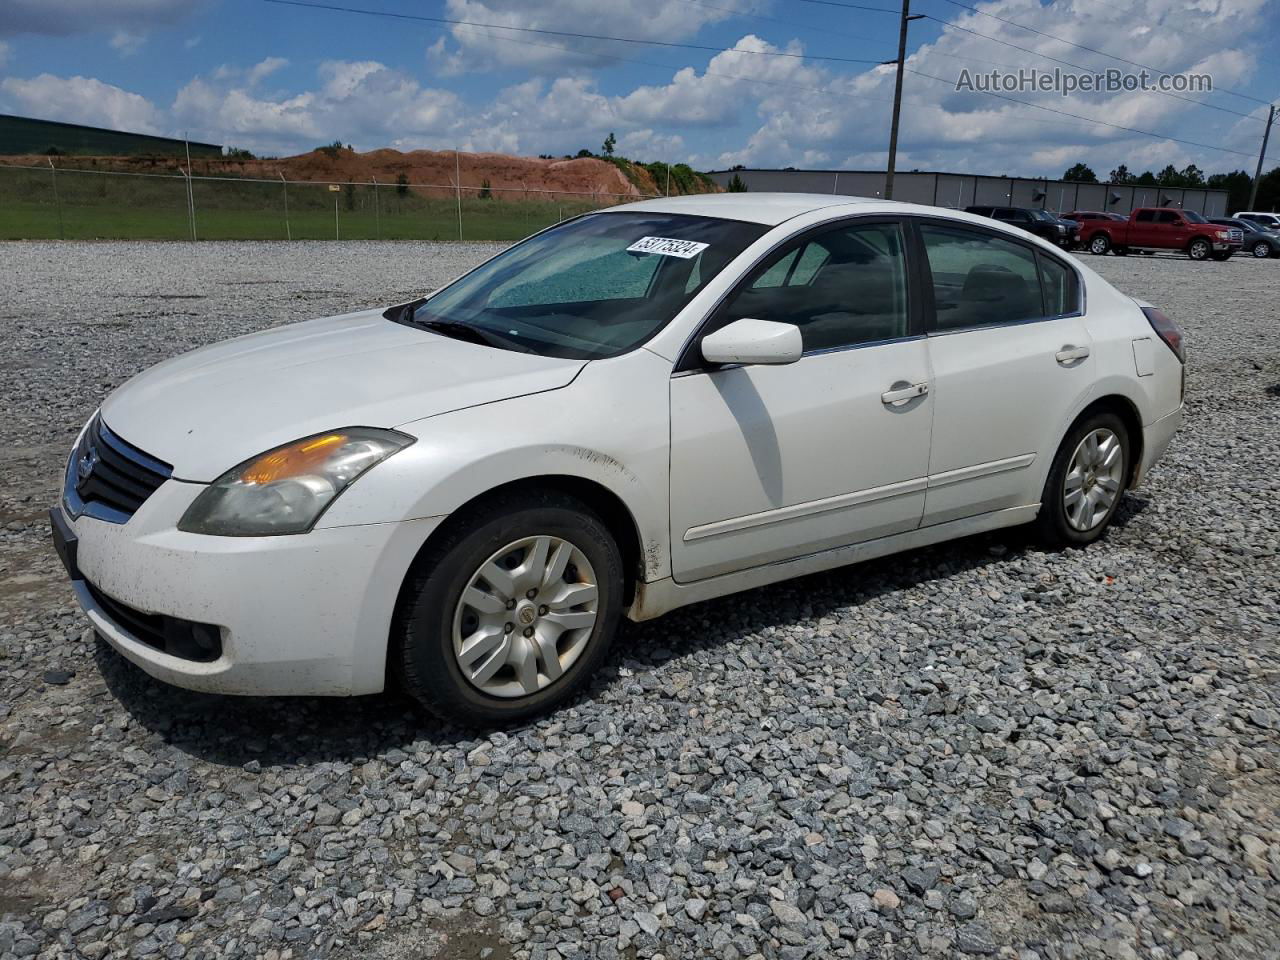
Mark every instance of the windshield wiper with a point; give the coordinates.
(465, 331)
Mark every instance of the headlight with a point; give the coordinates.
(1223, 235)
(1061, 228)
(285, 490)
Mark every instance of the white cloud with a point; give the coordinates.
(945, 129)
(362, 102)
(127, 42)
(80, 100)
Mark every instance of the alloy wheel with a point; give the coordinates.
(1199, 250)
(1261, 250)
(525, 616)
(1093, 481)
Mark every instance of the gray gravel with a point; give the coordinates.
(978, 749)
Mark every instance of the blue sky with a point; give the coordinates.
(282, 79)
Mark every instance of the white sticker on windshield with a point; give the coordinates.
(684, 249)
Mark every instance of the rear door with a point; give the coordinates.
(773, 462)
(1173, 231)
(1011, 358)
(1142, 229)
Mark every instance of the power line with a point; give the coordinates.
(561, 33)
(1076, 116)
(1101, 53)
(852, 6)
(1076, 66)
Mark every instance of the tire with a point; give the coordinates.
(1199, 249)
(1221, 256)
(1262, 250)
(1057, 526)
(432, 620)
(1122, 251)
(1099, 244)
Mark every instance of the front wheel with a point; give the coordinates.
(511, 612)
(1085, 483)
(1199, 250)
(1262, 250)
(1222, 256)
(1099, 244)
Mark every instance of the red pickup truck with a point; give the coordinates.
(1163, 228)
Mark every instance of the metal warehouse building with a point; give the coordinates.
(959, 190)
(27, 135)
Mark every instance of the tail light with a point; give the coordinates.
(1167, 330)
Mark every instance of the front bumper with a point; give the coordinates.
(298, 615)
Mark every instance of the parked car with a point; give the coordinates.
(1041, 223)
(1083, 217)
(1164, 228)
(634, 410)
(1258, 240)
(1268, 221)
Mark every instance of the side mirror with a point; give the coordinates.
(753, 341)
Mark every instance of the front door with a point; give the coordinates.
(774, 462)
(1011, 359)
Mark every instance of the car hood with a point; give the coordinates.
(211, 409)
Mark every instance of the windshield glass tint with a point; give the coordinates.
(594, 287)
(1042, 215)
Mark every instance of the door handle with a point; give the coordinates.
(1068, 354)
(900, 395)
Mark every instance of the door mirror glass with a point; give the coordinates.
(753, 341)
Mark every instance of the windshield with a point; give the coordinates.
(1042, 215)
(1192, 217)
(594, 287)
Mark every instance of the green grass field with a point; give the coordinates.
(91, 206)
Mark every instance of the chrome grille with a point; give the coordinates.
(1237, 235)
(109, 478)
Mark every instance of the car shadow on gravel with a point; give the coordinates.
(727, 619)
(273, 731)
(297, 731)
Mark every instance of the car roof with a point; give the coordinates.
(766, 208)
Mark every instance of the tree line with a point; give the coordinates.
(1237, 183)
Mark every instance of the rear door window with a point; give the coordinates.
(980, 279)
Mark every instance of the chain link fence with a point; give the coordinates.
(42, 203)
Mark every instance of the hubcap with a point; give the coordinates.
(1199, 250)
(1099, 246)
(1261, 250)
(1093, 480)
(525, 616)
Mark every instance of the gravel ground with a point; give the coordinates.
(975, 749)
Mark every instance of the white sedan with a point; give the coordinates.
(635, 410)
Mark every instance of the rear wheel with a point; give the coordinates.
(511, 612)
(1099, 244)
(1085, 483)
(1199, 249)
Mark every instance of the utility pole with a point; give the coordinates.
(897, 95)
(1262, 154)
